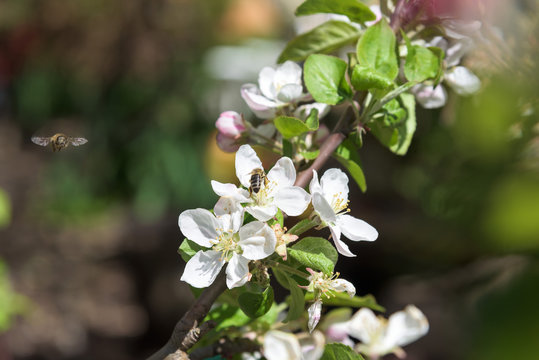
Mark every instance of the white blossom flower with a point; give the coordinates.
(279, 345)
(228, 243)
(330, 201)
(278, 193)
(379, 336)
(278, 87)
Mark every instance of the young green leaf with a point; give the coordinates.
(310, 155)
(365, 77)
(329, 36)
(297, 298)
(316, 253)
(376, 49)
(342, 299)
(226, 316)
(421, 63)
(312, 121)
(348, 155)
(256, 304)
(288, 148)
(290, 126)
(396, 129)
(188, 249)
(323, 77)
(340, 352)
(353, 9)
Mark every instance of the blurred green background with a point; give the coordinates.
(88, 236)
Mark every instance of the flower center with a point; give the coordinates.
(339, 204)
(226, 243)
(264, 197)
(322, 284)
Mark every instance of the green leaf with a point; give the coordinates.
(288, 149)
(348, 155)
(188, 249)
(396, 129)
(280, 218)
(325, 38)
(376, 49)
(290, 126)
(339, 352)
(297, 297)
(302, 226)
(312, 121)
(310, 155)
(226, 316)
(343, 299)
(353, 9)
(257, 304)
(323, 76)
(421, 63)
(5, 209)
(365, 77)
(440, 54)
(316, 253)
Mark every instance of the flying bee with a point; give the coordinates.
(58, 141)
(257, 177)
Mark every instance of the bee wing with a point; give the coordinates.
(76, 141)
(40, 140)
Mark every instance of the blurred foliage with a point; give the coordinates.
(5, 209)
(11, 303)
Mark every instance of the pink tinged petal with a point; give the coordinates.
(365, 326)
(265, 81)
(342, 285)
(312, 348)
(283, 173)
(378, 12)
(230, 124)
(314, 314)
(199, 225)
(257, 240)
(261, 106)
(405, 326)
(338, 331)
(246, 162)
(314, 185)
(430, 97)
(462, 81)
(342, 248)
(230, 190)
(262, 213)
(227, 144)
(289, 93)
(356, 229)
(323, 208)
(334, 183)
(279, 345)
(202, 269)
(237, 271)
(293, 200)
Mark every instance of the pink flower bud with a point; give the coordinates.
(227, 144)
(230, 124)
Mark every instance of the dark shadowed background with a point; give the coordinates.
(88, 236)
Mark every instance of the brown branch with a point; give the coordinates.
(187, 332)
(327, 148)
(226, 348)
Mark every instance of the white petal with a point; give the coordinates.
(462, 81)
(405, 326)
(279, 345)
(457, 50)
(230, 190)
(261, 106)
(334, 183)
(265, 81)
(237, 271)
(430, 97)
(262, 213)
(283, 173)
(365, 326)
(356, 229)
(289, 93)
(202, 269)
(303, 111)
(314, 312)
(342, 248)
(199, 225)
(314, 185)
(323, 208)
(342, 285)
(293, 200)
(288, 73)
(312, 347)
(228, 206)
(257, 240)
(246, 162)
(266, 130)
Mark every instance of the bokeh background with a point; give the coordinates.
(88, 237)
